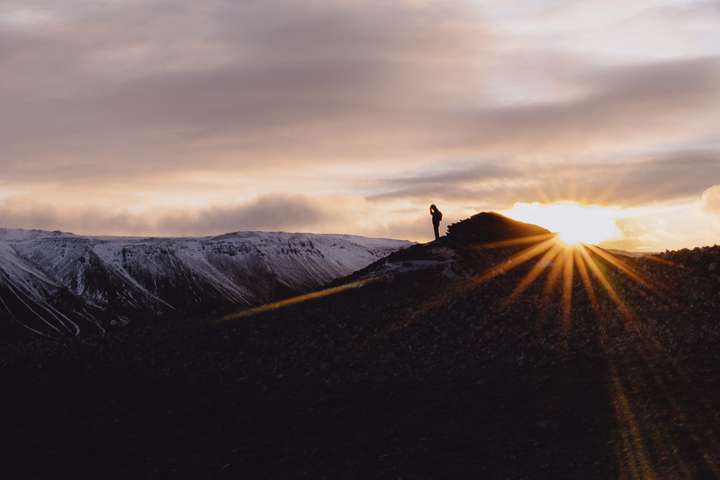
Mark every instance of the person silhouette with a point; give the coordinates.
(436, 218)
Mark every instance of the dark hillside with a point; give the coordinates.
(438, 367)
(492, 227)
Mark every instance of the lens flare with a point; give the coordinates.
(574, 223)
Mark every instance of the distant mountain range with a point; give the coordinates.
(56, 283)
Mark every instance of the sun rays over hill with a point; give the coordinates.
(498, 351)
(573, 222)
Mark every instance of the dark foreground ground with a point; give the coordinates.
(420, 375)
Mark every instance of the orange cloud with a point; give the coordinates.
(711, 199)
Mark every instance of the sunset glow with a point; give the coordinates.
(574, 223)
(201, 118)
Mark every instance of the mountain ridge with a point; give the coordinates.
(62, 283)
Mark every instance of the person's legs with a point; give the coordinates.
(436, 226)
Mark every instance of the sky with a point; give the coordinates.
(186, 117)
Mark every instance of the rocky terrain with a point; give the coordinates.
(481, 355)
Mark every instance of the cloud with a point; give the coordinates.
(290, 213)
(693, 10)
(265, 108)
(155, 89)
(235, 85)
(711, 199)
(276, 212)
(623, 104)
(451, 183)
(627, 182)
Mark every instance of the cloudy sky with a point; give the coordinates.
(186, 117)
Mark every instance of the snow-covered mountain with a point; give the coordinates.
(59, 283)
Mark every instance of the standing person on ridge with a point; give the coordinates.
(436, 218)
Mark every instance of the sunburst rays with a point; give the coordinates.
(562, 264)
(515, 260)
(547, 259)
(643, 381)
(568, 263)
(269, 307)
(645, 446)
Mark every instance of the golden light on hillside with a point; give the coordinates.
(574, 223)
(561, 263)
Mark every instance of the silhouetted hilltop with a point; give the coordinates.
(492, 227)
(440, 361)
(703, 260)
(462, 251)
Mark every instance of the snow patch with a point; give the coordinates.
(156, 274)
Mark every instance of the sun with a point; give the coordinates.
(574, 223)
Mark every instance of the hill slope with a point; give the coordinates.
(433, 365)
(58, 283)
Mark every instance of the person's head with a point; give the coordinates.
(433, 208)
